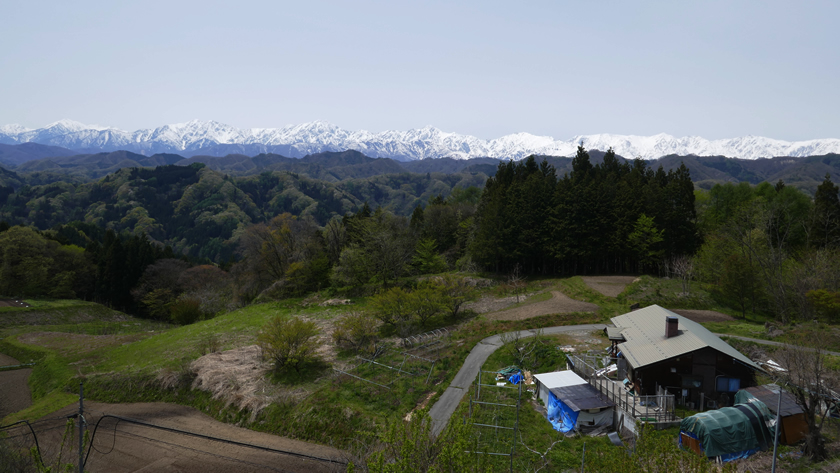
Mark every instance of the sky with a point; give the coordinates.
(485, 68)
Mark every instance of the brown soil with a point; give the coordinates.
(558, 304)
(701, 316)
(12, 303)
(610, 286)
(14, 390)
(6, 360)
(122, 446)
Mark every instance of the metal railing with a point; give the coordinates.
(647, 408)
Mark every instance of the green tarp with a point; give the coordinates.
(732, 431)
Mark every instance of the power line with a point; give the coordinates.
(217, 455)
(209, 437)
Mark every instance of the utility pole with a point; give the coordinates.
(778, 422)
(81, 428)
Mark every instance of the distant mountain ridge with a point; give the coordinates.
(217, 139)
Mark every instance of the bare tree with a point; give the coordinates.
(683, 267)
(813, 384)
(523, 349)
(516, 281)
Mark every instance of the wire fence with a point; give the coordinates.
(494, 413)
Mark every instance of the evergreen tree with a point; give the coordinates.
(825, 231)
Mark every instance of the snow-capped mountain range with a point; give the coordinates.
(214, 138)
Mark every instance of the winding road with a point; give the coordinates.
(443, 409)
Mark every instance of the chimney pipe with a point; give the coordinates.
(671, 326)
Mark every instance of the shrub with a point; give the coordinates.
(355, 331)
(289, 342)
(186, 311)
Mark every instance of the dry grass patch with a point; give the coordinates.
(238, 377)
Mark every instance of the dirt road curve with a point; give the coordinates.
(14, 390)
(558, 304)
(610, 286)
(12, 303)
(121, 446)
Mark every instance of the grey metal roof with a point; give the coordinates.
(644, 330)
(769, 395)
(581, 397)
(614, 333)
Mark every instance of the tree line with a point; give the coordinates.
(613, 217)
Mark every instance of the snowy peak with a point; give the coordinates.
(210, 137)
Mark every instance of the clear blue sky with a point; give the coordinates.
(560, 68)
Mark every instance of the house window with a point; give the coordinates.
(728, 385)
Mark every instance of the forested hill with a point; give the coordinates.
(201, 212)
(38, 164)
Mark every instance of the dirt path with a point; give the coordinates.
(701, 316)
(14, 387)
(122, 446)
(610, 286)
(12, 303)
(6, 360)
(558, 304)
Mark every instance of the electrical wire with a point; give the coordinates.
(217, 455)
(208, 437)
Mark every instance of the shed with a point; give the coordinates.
(555, 379)
(573, 403)
(728, 433)
(794, 425)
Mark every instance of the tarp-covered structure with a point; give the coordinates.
(793, 423)
(729, 433)
(572, 403)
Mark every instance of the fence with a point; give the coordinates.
(385, 365)
(649, 408)
(494, 412)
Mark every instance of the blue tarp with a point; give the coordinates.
(562, 417)
(516, 378)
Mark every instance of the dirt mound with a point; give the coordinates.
(610, 286)
(123, 446)
(701, 316)
(13, 303)
(558, 304)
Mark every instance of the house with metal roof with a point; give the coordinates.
(572, 403)
(659, 349)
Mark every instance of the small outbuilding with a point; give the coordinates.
(572, 403)
(794, 425)
(728, 433)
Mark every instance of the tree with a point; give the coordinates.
(428, 300)
(286, 255)
(826, 303)
(392, 307)
(355, 331)
(645, 241)
(426, 259)
(411, 446)
(825, 230)
(289, 342)
(738, 282)
(458, 291)
(810, 380)
(683, 267)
